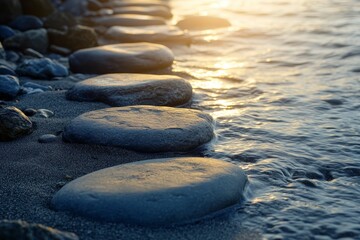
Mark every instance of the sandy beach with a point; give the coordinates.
(32, 172)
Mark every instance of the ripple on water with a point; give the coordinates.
(283, 86)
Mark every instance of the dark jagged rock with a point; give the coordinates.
(74, 38)
(13, 124)
(121, 58)
(35, 39)
(60, 21)
(9, 87)
(6, 32)
(40, 8)
(20, 230)
(202, 23)
(9, 9)
(26, 22)
(43, 68)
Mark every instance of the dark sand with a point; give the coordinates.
(31, 172)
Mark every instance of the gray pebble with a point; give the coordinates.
(47, 138)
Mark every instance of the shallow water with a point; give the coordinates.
(283, 84)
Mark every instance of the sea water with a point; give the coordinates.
(283, 84)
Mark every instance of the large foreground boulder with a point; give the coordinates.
(133, 89)
(20, 230)
(155, 192)
(142, 128)
(121, 58)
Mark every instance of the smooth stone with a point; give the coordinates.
(35, 39)
(156, 11)
(26, 22)
(136, 3)
(133, 89)
(202, 23)
(6, 32)
(13, 124)
(121, 58)
(29, 112)
(60, 21)
(155, 192)
(32, 53)
(39, 8)
(20, 230)
(47, 138)
(43, 68)
(12, 56)
(93, 5)
(75, 38)
(59, 50)
(4, 70)
(9, 87)
(155, 34)
(76, 8)
(9, 10)
(142, 128)
(2, 52)
(128, 20)
(37, 86)
(44, 113)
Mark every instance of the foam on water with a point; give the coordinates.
(283, 84)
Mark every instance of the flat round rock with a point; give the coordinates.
(142, 128)
(136, 3)
(155, 192)
(123, 89)
(155, 34)
(128, 20)
(157, 11)
(203, 23)
(121, 58)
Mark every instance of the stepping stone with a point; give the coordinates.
(121, 58)
(155, 34)
(202, 23)
(136, 3)
(157, 11)
(155, 192)
(127, 20)
(142, 128)
(133, 89)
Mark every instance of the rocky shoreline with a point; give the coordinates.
(85, 86)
